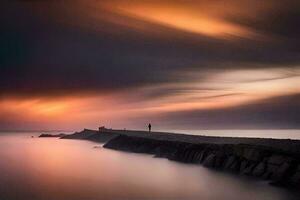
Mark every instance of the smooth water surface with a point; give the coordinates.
(56, 169)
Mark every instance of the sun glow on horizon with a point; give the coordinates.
(231, 89)
(36, 107)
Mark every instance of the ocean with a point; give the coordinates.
(33, 168)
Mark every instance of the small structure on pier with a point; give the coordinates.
(102, 128)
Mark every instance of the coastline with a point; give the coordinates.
(275, 160)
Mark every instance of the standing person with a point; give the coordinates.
(149, 127)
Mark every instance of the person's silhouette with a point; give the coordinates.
(149, 127)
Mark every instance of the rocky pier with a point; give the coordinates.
(274, 160)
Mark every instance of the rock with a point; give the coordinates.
(209, 161)
(186, 155)
(165, 151)
(229, 162)
(270, 170)
(190, 156)
(277, 159)
(220, 156)
(238, 150)
(248, 170)
(193, 156)
(266, 175)
(252, 154)
(52, 135)
(244, 165)
(200, 157)
(295, 178)
(281, 172)
(235, 166)
(259, 169)
(180, 154)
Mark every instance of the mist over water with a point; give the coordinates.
(50, 168)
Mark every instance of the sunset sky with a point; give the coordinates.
(202, 64)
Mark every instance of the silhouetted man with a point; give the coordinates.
(149, 127)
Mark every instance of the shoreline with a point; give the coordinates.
(275, 160)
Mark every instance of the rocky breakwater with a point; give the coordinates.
(52, 135)
(92, 135)
(275, 165)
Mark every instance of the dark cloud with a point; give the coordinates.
(68, 48)
(41, 55)
(274, 113)
(283, 21)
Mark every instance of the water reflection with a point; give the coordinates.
(49, 168)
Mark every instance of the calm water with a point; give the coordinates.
(53, 169)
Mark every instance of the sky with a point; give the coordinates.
(201, 64)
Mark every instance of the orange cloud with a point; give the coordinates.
(242, 87)
(184, 19)
(209, 18)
